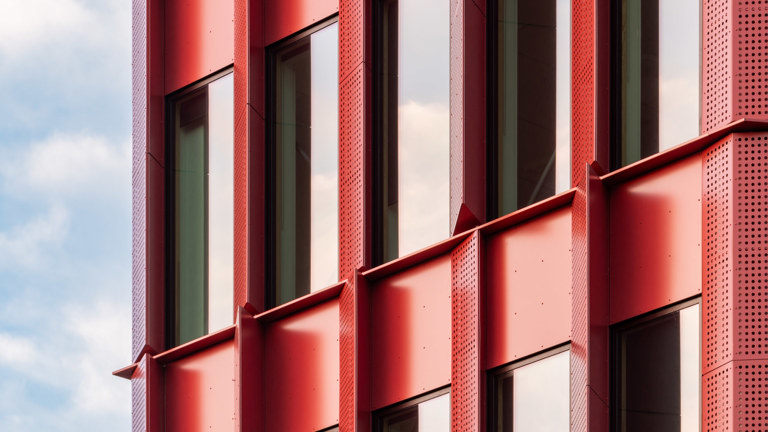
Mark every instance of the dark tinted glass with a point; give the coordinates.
(431, 415)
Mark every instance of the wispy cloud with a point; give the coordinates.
(25, 245)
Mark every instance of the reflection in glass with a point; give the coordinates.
(306, 165)
(534, 397)
(433, 415)
(659, 76)
(202, 215)
(412, 128)
(534, 117)
(659, 374)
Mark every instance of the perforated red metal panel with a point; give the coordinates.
(717, 400)
(147, 396)
(579, 315)
(467, 347)
(750, 46)
(717, 41)
(347, 359)
(582, 87)
(751, 393)
(718, 249)
(139, 398)
(354, 344)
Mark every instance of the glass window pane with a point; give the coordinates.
(533, 136)
(306, 165)
(432, 415)
(413, 160)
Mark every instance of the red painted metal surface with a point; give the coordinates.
(147, 396)
(655, 235)
(411, 332)
(288, 17)
(468, 125)
(301, 372)
(717, 74)
(199, 40)
(355, 356)
(467, 344)
(199, 390)
(249, 377)
(529, 284)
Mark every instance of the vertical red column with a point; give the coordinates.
(468, 114)
(467, 335)
(354, 357)
(147, 396)
(148, 179)
(735, 352)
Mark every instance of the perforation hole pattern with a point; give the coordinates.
(718, 225)
(347, 359)
(579, 316)
(751, 254)
(583, 89)
(465, 335)
(751, 44)
(717, 399)
(717, 63)
(241, 154)
(751, 393)
(457, 112)
(139, 181)
(139, 398)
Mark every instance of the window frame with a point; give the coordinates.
(496, 374)
(270, 153)
(380, 414)
(617, 329)
(171, 102)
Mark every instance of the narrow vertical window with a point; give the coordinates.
(430, 413)
(657, 372)
(411, 126)
(532, 395)
(304, 152)
(201, 210)
(657, 76)
(529, 154)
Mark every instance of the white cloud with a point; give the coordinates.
(25, 245)
(15, 349)
(65, 164)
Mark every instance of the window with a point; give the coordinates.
(303, 151)
(411, 126)
(200, 209)
(532, 395)
(530, 102)
(430, 413)
(656, 76)
(656, 372)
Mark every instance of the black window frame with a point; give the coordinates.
(405, 407)
(270, 170)
(615, 344)
(495, 375)
(171, 101)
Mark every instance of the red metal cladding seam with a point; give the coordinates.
(467, 347)
(717, 64)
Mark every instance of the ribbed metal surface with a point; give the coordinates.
(717, 74)
(466, 336)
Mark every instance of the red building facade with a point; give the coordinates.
(589, 274)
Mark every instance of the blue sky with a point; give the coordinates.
(65, 214)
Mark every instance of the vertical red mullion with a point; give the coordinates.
(147, 394)
(354, 356)
(468, 114)
(249, 374)
(468, 335)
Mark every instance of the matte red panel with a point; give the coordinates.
(302, 370)
(656, 239)
(528, 287)
(288, 17)
(200, 390)
(199, 40)
(249, 379)
(411, 332)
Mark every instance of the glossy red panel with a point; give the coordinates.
(528, 287)
(411, 332)
(199, 40)
(655, 239)
(288, 17)
(301, 372)
(200, 390)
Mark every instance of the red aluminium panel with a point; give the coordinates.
(528, 287)
(354, 345)
(200, 390)
(288, 17)
(655, 235)
(147, 396)
(301, 372)
(411, 332)
(199, 40)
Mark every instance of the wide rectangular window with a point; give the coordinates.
(429, 413)
(532, 395)
(411, 126)
(201, 209)
(656, 76)
(303, 152)
(657, 374)
(530, 98)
